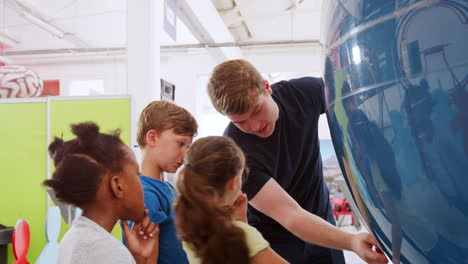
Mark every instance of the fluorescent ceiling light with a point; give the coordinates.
(43, 24)
(5, 39)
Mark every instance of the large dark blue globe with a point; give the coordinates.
(396, 75)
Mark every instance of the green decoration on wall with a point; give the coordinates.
(22, 169)
(23, 155)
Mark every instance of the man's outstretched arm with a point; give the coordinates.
(275, 202)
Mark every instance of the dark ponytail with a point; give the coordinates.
(81, 162)
(202, 221)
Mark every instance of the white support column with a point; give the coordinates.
(144, 25)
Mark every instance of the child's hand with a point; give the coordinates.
(142, 238)
(240, 208)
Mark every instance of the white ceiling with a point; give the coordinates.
(102, 23)
(85, 23)
(267, 20)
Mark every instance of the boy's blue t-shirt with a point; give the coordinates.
(159, 199)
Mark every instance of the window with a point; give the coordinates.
(86, 87)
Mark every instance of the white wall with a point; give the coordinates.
(111, 69)
(301, 60)
(188, 71)
(184, 70)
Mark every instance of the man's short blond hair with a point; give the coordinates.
(234, 85)
(163, 115)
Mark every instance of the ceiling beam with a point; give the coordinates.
(205, 23)
(8, 40)
(122, 50)
(31, 13)
(294, 4)
(245, 44)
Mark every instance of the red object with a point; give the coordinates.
(51, 88)
(20, 241)
(340, 206)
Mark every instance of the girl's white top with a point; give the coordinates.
(87, 242)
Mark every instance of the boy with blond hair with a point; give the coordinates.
(165, 132)
(277, 128)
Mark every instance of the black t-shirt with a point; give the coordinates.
(291, 155)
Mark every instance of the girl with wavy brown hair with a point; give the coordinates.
(211, 209)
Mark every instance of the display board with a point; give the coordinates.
(24, 137)
(23, 143)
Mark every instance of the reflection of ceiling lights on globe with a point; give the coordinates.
(412, 94)
(356, 55)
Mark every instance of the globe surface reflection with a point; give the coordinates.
(396, 75)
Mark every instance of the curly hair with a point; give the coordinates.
(81, 162)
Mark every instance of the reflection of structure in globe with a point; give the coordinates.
(18, 82)
(396, 75)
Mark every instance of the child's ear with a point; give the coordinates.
(231, 183)
(268, 87)
(151, 137)
(116, 186)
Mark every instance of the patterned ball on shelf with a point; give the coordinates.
(19, 82)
